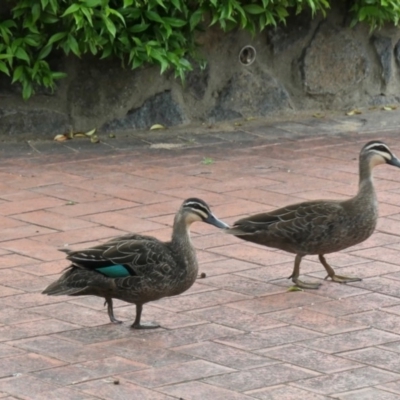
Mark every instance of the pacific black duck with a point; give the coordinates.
(137, 268)
(321, 226)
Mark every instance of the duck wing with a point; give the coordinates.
(128, 256)
(294, 223)
(316, 211)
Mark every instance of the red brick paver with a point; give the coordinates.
(238, 334)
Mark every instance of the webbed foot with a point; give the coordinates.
(333, 276)
(305, 285)
(145, 325)
(343, 279)
(296, 273)
(115, 321)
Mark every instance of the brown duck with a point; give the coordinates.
(322, 226)
(137, 268)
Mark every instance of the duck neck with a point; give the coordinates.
(181, 243)
(184, 253)
(365, 186)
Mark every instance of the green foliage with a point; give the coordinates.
(139, 32)
(376, 12)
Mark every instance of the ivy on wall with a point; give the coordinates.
(139, 32)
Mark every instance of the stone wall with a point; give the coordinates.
(311, 64)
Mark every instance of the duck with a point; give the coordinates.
(321, 227)
(137, 268)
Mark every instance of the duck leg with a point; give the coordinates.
(137, 325)
(110, 311)
(296, 273)
(333, 276)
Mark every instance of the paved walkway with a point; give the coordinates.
(238, 334)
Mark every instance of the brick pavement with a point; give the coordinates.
(238, 334)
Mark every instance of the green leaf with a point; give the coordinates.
(35, 12)
(118, 15)
(5, 56)
(215, 19)
(87, 13)
(186, 64)
(35, 69)
(127, 3)
(57, 37)
(47, 81)
(137, 41)
(159, 2)
(137, 62)
(4, 68)
(73, 45)
(168, 31)
(124, 40)
(110, 26)
(58, 75)
(177, 4)
(5, 35)
(93, 48)
(32, 40)
(73, 8)
(79, 21)
(17, 73)
(139, 28)
(175, 22)
(92, 3)
(27, 90)
(47, 18)
(164, 65)
(107, 51)
(152, 16)
(45, 51)
(9, 24)
(253, 9)
(54, 6)
(22, 54)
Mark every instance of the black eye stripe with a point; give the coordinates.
(196, 206)
(376, 146)
(380, 148)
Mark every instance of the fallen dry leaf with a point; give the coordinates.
(166, 146)
(91, 132)
(157, 126)
(389, 108)
(61, 138)
(295, 289)
(354, 112)
(94, 139)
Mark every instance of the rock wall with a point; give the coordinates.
(311, 64)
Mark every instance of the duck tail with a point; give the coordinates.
(68, 251)
(57, 289)
(60, 286)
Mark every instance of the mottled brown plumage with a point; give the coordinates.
(321, 226)
(137, 268)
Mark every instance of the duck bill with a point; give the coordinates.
(394, 161)
(213, 220)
